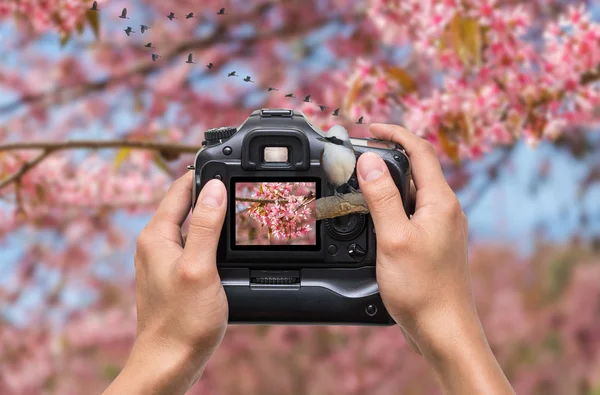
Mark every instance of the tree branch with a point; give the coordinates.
(26, 167)
(168, 147)
(64, 93)
(337, 206)
(327, 207)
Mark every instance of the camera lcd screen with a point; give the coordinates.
(275, 214)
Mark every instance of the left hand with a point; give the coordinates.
(181, 304)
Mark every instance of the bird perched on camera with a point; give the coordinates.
(338, 158)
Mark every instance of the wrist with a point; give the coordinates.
(456, 349)
(156, 368)
(444, 334)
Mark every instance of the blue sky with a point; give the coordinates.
(507, 213)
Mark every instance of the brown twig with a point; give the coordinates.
(50, 147)
(327, 207)
(259, 200)
(337, 206)
(168, 147)
(27, 166)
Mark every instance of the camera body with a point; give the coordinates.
(277, 262)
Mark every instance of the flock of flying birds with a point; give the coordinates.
(190, 58)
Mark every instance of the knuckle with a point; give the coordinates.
(386, 195)
(452, 207)
(426, 147)
(144, 240)
(204, 223)
(391, 241)
(193, 272)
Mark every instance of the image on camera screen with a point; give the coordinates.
(275, 213)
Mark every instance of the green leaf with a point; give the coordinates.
(79, 26)
(552, 342)
(559, 276)
(122, 154)
(161, 164)
(472, 39)
(449, 146)
(110, 371)
(64, 39)
(404, 79)
(94, 21)
(466, 38)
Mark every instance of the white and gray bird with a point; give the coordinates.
(338, 158)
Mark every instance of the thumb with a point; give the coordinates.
(206, 223)
(381, 195)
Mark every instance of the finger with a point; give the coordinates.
(380, 193)
(206, 224)
(173, 209)
(426, 169)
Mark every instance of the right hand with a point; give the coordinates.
(422, 268)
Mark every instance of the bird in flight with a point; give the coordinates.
(248, 79)
(360, 121)
(144, 28)
(272, 89)
(94, 6)
(189, 59)
(322, 107)
(307, 99)
(290, 95)
(189, 16)
(171, 16)
(210, 66)
(149, 45)
(221, 12)
(128, 31)
(154, 57)
(232, 74)
(336, 112)
(124, 14)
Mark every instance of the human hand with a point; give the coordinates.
(422, 267)
(181, 305)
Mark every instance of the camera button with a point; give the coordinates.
(371, 310)
(227, 150)
(332, 249)
(397, 158)
(356, 251)
(218, 177)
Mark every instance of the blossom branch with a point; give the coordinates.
(64, 93)
(25, 168)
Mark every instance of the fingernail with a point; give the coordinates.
(370, 166)
(213, 193)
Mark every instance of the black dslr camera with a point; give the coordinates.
(277, 263)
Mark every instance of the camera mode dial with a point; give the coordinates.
(216, 135)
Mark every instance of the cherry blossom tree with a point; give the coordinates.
(93, 130)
